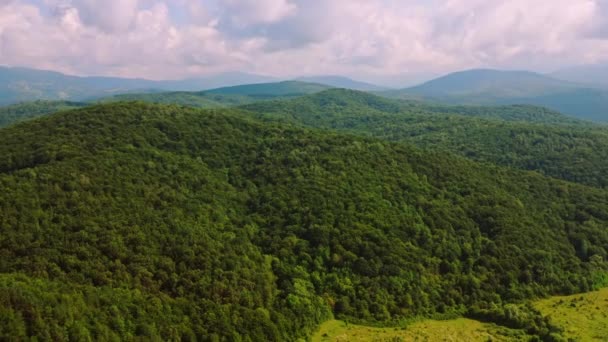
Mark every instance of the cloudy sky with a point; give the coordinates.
(361, 38)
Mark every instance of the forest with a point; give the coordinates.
(135, 221)
(522, 137)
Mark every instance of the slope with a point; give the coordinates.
(490, 83)
(492, 87)
(342, 82)
(525, 137)
(160, 222)
(226, 97)
(271, 90)
(29, 110)
(596, 74)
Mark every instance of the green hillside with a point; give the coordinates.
(523, 137)
(29, 110)
(131, 220)
(191, 99)
(272, 90)
(226, 97)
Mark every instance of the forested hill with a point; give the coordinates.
(227, 96)
(524, 137)
(161, 222)
(29, 110)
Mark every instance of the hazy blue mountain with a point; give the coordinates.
(22, 84)
(215, 81)
(491, 84)
(494, 87)
(596, 74)
(342, 82)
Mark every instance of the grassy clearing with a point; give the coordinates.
(583, 317)
(429, 330)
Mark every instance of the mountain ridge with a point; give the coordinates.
(499, 87)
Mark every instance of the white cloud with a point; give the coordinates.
(243, 13)
(171, 39)
(108, 15)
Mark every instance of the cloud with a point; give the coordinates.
(181, 38)
(108, 15)
(242, 13)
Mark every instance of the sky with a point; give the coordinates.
(366, 39)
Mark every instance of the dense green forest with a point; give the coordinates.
(524, 137)
(160, 222)
(29, 110)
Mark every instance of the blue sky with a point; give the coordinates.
(368, 39)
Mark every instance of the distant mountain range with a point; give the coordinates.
(472, 87)
(21, 84)
(494, 87)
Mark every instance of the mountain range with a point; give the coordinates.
(568, 91)
(495, 87)
(22, 84)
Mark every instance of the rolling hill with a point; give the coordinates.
(493, 87)
(29, 110)
(227, 96)
(134, 221)
(524, 137)
(342, 82)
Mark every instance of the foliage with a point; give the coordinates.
(29, 110)
(132, 220)
(561, 148)
(522, 316)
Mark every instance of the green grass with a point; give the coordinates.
(583, 317)
(461, 329)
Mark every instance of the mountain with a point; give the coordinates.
(524, 137)
(493, 87)
(270, 90)
(227, 96)
(490, 84)
(214, 81)
(131, 221)
(29, 110)
(342, 82)
(21, 84)
(596, 74)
